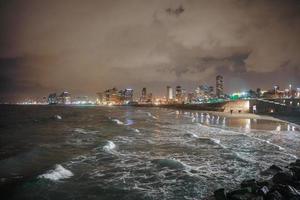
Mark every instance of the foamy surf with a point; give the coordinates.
(150, 115)
(136, 130)
(118, 121)
(110, 147)
(57, 174)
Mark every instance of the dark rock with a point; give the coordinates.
(271, 170)
(283, 178)
(296, 172)
(246, 196)
(220, 194)
(295, 164)
(275, 168)
(275, 195)
(263, 183)
(239, 193)
(288, 191)
(250, 184)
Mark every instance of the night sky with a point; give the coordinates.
(87, 46)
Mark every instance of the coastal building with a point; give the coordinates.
(126, 95)
(219, 86)
(52, 98)
(111, 96)
(143, 97)
(114, 96)
(169, 93)
(64, 98)
(204, 92)
(179, 94)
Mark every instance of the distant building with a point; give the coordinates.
(191, 97)
(149, 98)
(115, 97)
(52, 98)
(127, 95)
(204, 92)
(179, 94)
(64, 98)
(219, 86)
(169, 93)
(143, 98)
(111, 96)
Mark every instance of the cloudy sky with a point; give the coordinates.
(87, 46)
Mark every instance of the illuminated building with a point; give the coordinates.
(64, 98)
(149, 98)
(191, 97)
(219, 86)
(127, 95)
(144, 95)
(169, 93)
(204, 91)
(179, 94)
(52, 98)
(82, 100)
(110, 96)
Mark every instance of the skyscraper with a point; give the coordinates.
(219, 86)
(144, 95)
(169, 93)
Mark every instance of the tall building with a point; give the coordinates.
(52, 98)
(204, 91)
(144, 95)
(111, 96)
(128, 95)
(219, 86)
(169, 93)
(64, 98)
(179, 94)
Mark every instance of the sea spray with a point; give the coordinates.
(57, 174)
(118, 121)
(109, 147)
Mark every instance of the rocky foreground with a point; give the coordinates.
(284, 185)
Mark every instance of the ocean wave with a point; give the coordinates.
(169, 163)
(57, 174)
(58, 117)
(83, 131)
(110, 147)
(118, 121)
(136, 130)
(150, 115)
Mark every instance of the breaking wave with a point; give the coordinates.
(110, 147)
(118, 121)
(57, 174)
(150, 115)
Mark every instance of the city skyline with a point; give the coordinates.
(86, 47)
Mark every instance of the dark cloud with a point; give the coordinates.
(87, 46)
(176, 12)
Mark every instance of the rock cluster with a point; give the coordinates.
(284, 185)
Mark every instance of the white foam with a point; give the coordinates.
(57, 174)
(150, 115)
(58, 117)
(136, 130)
(118, 121)
(109, 147)
(193, 134)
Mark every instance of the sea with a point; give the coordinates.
(131, 153)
